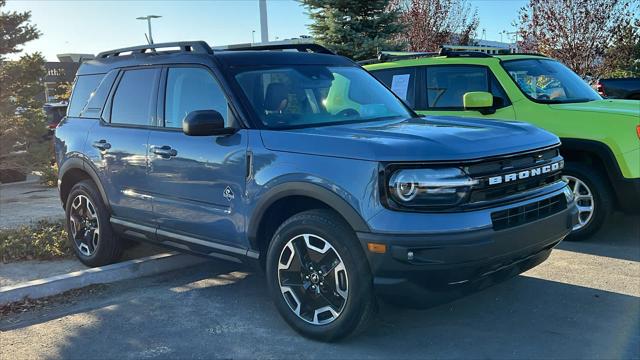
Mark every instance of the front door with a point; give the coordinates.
(197, 181)
(445, 85)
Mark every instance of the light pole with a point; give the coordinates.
(148, 18)
(253, 36)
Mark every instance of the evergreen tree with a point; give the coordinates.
(356, 29)
(22, 119)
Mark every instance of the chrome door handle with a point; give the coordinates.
(165, 151)
(101, 145)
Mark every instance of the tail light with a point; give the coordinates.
(638, 131)
(600, 89)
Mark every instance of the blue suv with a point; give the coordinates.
(299, 161)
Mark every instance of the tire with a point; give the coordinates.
(351, 277)
(601, 203)
(88, 227)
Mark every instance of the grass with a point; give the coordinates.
(43, 240)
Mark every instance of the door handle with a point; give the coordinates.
(101, 145)
(165, 151)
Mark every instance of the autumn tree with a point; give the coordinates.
(579, 33)
(356, 29)
(22, 119)
(432, 23)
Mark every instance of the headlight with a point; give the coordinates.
(429, 187)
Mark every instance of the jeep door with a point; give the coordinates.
(197, 181)
(118, 143)
(439, 89)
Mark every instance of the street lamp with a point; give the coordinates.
(148, 18)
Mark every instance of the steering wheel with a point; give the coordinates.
(348, 112)
(543, 97)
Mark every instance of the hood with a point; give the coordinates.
(607, 106)
(418, 139)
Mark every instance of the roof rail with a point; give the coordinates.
(200, 47)
(385, 56)
(309, 47)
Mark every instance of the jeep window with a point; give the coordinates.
(313, 95)
(190, 89)
(82, 89)
(548, 81)
(402, 81)
(446, 86)
(133, 99)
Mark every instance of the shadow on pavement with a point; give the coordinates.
(618, 238)
(222, 310)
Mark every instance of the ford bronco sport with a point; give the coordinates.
(302, 163)
(600, 138)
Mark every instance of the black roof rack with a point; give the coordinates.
(200, 47)
(385, 56)
(310, 47)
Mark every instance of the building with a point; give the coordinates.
(60, 72)
(486, 46)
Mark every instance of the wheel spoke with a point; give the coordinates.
(312, 279)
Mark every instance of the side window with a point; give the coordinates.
(401, 81)
(133, 100)
(190, 89)
(446, 86)
(82, 89)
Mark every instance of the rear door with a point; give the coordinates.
(197, 182)
(119, 143)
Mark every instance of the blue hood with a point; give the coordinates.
(433, 138)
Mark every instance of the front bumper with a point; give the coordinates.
(419, 264)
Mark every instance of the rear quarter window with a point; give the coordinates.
(401, 81)
(82, 89)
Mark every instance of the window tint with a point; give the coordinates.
(82, 89)
(190, 89)
(401, 81)
(133, 100)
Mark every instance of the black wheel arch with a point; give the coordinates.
(317, 195)
(74, 170)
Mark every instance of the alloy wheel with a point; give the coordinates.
(313, 279)
(584, 200)
(84, 225)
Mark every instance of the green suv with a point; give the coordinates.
(600, 138)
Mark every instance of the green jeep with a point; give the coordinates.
(600, 138)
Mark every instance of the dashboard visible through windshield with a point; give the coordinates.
(312, 95)
(548, 81)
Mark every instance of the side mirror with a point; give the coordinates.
(205, 123)
(479, 100)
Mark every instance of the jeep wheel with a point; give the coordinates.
(88, 226)
(593, 198)
(318, 276)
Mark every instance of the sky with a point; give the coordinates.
(92, 26)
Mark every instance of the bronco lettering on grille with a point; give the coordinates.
(494, 180)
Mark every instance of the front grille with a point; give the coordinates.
(519, 215)
(485, 192)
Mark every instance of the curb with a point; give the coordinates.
(130, 269)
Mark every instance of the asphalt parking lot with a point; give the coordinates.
(584, 302)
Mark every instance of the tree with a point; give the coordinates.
(622, 59)
(433, 23)
(22, 119)
(579, 33)
(356, 29)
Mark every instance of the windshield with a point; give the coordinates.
(312, 95)
(548, 81)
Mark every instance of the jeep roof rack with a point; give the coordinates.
(199, 47)
(385, 56)
(300, 47)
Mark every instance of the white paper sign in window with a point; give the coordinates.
(400, 85)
